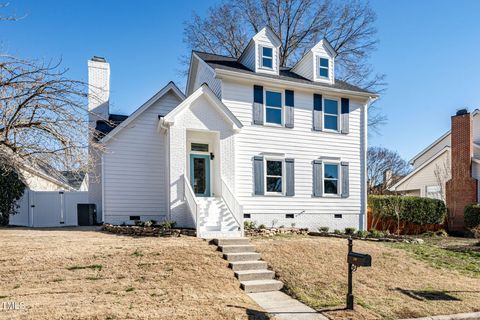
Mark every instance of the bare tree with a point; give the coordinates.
(384, 168)
(43, 116)
(442, 175)
(348, 25)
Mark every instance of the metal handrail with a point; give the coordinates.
(233, 205)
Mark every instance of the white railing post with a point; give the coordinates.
(189, 196)
(233, 205)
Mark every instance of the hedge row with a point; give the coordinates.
(472, 215)
(410, 209)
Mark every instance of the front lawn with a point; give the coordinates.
(400, 284)
(76, 274)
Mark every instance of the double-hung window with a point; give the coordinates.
(274, 176)
(331, 114)
(330, 179)
(273, 107)
(267, 57)
(323, 67)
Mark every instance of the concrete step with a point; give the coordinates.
(231, 241)
(261, 285)
(242, 256)
(248, 265)
(237, 248)
(248, 275)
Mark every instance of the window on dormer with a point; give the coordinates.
(267, 57)
(323, 67)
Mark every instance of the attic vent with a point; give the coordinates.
(461, 112)
(99, 59)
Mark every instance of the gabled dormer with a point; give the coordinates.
(318, 64)
(262, 53)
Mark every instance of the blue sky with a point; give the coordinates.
(429, 51)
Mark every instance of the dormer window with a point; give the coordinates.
(323, 67)
(267, 57)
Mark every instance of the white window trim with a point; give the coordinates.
(339, 179)
(324, 113)
(320, 67)
(265, 176)
(262, 56)
(282, 124)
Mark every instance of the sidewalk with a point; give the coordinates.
(283, 307)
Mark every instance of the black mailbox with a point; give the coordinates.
(359, 259)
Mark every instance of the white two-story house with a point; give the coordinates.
(248, 140)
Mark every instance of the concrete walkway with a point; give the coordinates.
(283, 307)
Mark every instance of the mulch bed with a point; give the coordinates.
(152, 231)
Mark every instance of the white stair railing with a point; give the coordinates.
(233, 205)
(191, 201)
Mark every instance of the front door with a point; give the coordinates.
(200, 174)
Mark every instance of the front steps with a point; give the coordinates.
(245, 262)
(215, 219)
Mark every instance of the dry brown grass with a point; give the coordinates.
(314, 270)
(73, 274)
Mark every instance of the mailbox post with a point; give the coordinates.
(350, 277)
(354, 260)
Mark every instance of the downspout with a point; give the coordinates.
(103, 189)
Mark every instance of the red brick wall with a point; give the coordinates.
(461, 189)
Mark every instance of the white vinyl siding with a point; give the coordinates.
(205, 74)
(248, 57)
(302, 144)
(266, 40)
(419, 181)
(135, 169)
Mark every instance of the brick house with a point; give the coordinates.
(449, 168)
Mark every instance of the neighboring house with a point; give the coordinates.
(449, 168)
(249, 140)
(45, 179)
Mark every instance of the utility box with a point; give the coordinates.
(87, 214)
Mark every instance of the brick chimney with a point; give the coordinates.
(461, 189)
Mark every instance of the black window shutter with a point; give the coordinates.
(257, 104)
(345, 115)
(317, 112)
(289, 108)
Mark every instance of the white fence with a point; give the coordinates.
(48, 208)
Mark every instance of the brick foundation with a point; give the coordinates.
(461, 189)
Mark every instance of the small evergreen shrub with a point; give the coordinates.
(336, 231)
(376, 234)
(249, 225)
(362, 233)
(262, 226)
(323, 229)
(350, 230)
(472, 215)
(167, 224)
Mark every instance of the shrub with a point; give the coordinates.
(472, 215)
(336, 231)
(350, 231)
(262, 226)
(376, 234)
(139, 223)
(148, 223)
(362, 233)
(415, 210)
(249, 225)
(441, 233)
(167, 224)
(323, 229)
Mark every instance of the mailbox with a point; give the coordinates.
(359, 259)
